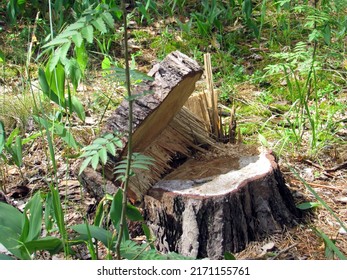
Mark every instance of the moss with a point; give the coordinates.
(248, 129)
(141, 35)
(10, 72)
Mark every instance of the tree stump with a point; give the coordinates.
(221, 197)
(210, 206)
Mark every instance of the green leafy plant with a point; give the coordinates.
(247, 9)
(308, 205)
(301, 70)
(113, 213)
(208, 19)
(20, 232)
(13, 145)
(145, 8)
(138, 161)
(97, 152)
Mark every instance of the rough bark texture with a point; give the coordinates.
(207, 217)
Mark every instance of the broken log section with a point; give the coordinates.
(162, 128)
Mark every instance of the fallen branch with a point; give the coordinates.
(337, 167)
(319, 167)
(319, 185)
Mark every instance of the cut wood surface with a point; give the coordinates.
(215, 205)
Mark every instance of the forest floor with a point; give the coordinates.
(328, 178)
(326, 175)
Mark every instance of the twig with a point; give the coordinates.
(283, 251)
(319, 185)
(319, 167)
(337, 167)
(33, 38)
(312, 163)
(130, 129)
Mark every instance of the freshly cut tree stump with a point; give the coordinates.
(212, 205)
(222, 196)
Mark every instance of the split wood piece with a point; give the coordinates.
(212, 99)
(162, 129)
(197, 104)
(209, 207)
(174, 81)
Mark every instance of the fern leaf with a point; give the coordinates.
(87, 33)
(100, 25)
(108, 19)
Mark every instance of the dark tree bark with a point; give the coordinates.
(207, 217)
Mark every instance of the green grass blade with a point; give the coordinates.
(59, 216)
(49, 212)
(330, 244)
(43, 122)
(90, 244)
(2, 136)
(326, 206)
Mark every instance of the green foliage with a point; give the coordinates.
(59, 130)
(229, 256)
(20, 232)
(138, 161)
(330, 248)
(302, 72)
(103, 235)
(11, 149)
(208, 18)
(120, 73)
(300, 48)
(132, 251)
(13, 145)
(247, 9)
(97, 152)
(53, 86)
(14, 7)
(145, 8)
(114, 213)
(308, 205)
